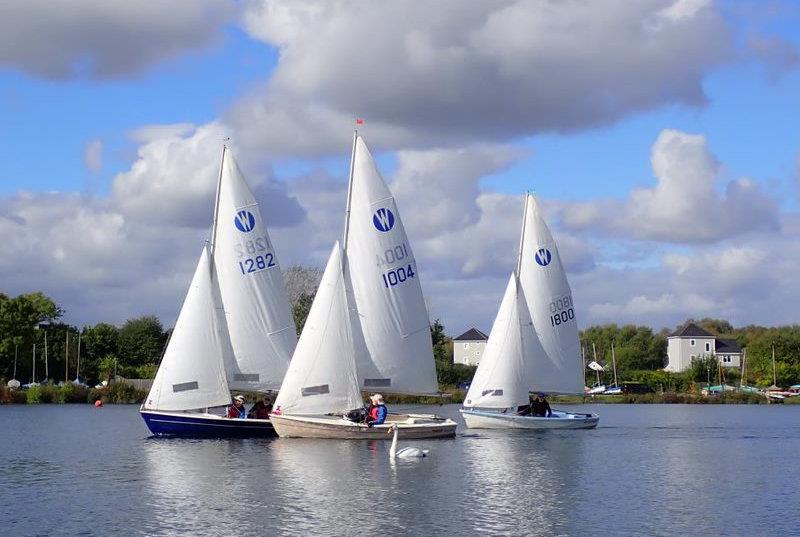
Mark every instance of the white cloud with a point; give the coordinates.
(450, 73)
(93, 156)
(685, 206)
(104, 38)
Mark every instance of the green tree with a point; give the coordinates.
(140, 341)
(98, 341)
(300, 310)
(19, 317)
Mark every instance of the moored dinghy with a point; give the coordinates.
(533, 345)
(238, 296)
(368, 328)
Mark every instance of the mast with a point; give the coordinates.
(66, 359)
(522, 235)
(583, 359)
(216, 202)
(349, 192)
(33, 367)
(46, 371)
(614, 362)
(15, 360)
(744, 357)
(774, 371)
(594, 351)
(78, 369)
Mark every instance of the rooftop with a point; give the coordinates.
(691, 330)
(730, 346)
(473, 334)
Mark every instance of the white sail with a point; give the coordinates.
(192, 374)
(386, 291)
(260, 322)
(503, 378)
(322, 375)
(544, 284)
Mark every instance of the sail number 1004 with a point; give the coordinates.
(397, 276)
(561, 310)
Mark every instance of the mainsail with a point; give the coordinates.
(549, 298)
(322, 375)
(192, 374)
(385, 292)
(262, 330)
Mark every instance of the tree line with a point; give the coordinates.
(134, 349)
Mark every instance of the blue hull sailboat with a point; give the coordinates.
(235, 330)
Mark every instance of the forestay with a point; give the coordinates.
(385, 288)
(549, 298)
(262, 330)
(191, 374)
(322, 375)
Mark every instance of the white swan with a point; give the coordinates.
(406, 452)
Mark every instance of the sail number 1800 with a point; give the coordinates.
(561, 310)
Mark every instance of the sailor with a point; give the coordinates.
(377, 411)
(236, 410)
(540, 407)
(261, 409)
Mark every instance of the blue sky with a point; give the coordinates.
(283, 81)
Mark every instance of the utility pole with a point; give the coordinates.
(66, 359)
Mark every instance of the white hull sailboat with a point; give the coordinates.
(235, 329)
(368, 328)
(533, 345)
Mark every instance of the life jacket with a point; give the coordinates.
(234, 412)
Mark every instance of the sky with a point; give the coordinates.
(662, 138)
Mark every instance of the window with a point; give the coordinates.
(726, 359)
(691, 342)
(708, 346)
(693, 357)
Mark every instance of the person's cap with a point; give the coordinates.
(240, 398)
(377, 398)
(540, 394)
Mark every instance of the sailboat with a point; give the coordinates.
(616, 389)
(533, 345)
(235, 329)
(368, 327)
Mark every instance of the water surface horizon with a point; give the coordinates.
(647, 469)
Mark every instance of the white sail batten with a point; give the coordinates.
(192, 371)
(502, 378)
(543, 282)
(262, 329)
(322, 377)
(386, 293)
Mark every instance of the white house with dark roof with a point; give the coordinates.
(469, 346)
(690, 342)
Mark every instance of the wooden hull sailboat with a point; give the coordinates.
(533, 345)
(408, 426)
(235, 329)
(368, 327)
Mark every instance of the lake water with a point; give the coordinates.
(647, 470)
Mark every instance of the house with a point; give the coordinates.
(469, 346)
(690, 342)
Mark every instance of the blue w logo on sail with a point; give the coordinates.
(543, 257)
(245, 221)
(383, 220)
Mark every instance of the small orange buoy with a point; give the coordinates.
(98, 403)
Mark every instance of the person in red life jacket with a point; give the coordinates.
(236, 410)
(261, 409)
(377, 411)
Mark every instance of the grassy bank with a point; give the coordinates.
(673, 398)
(116, 392)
